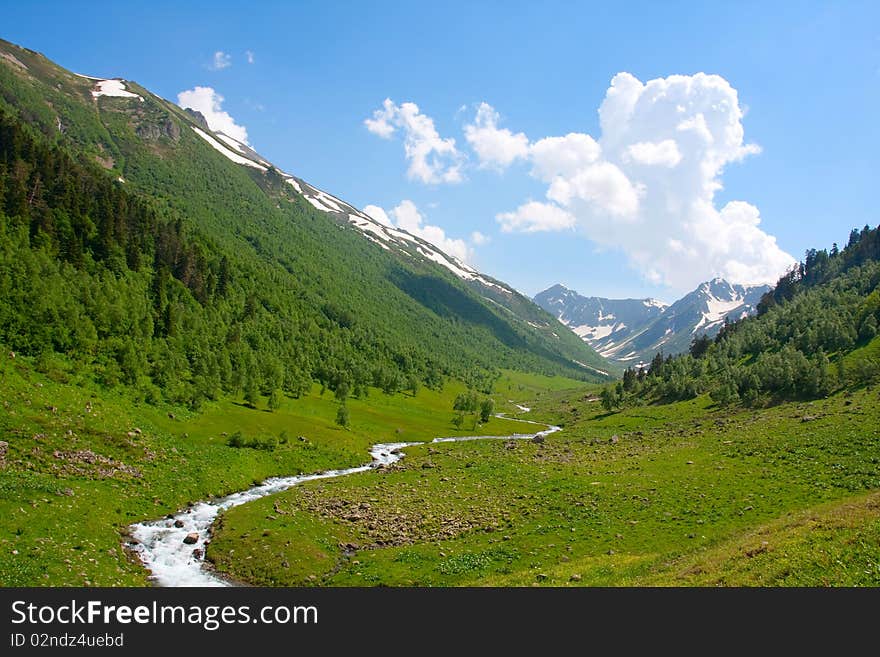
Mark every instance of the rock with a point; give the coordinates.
(615, 438)
(178, 523)
(4, 447)
(191, 539)
(574, 578)
(538, 438)
(171, 416)
(153, 131)
(690, 462)
(808, 418)
(541, 577)
(137, 430)
(198, 553)
(198, 117)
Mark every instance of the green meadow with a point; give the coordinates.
(680, 494)
(677, 494)
(82, 463)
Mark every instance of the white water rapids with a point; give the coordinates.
(160, 544)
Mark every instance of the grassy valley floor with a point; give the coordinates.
(81, 463)
(683, 494)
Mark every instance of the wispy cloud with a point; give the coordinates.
(220, 61)
(249, 56)
(432, 159)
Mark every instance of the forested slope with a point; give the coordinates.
(136, 251)
(815, 332)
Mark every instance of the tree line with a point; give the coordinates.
(796, 347)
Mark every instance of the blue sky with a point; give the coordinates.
(633, 217)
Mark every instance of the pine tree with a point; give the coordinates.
(342, 416)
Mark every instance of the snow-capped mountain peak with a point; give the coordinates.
(631, 330)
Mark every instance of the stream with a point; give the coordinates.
(173, 548)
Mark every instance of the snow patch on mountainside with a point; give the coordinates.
(593, 332)
(237, 145)
(114, 89)
(229, 154)
(384, 236)
(594, 369)
(717, 309)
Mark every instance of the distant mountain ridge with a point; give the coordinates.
(628, 331)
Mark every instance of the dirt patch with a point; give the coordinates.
(106, 162)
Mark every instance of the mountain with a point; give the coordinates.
(814, 333)
(158, 254)
(629, 331)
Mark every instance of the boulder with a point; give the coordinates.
(191, 538)
(538, 438)
(178, 523)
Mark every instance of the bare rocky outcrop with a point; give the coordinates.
(153, 131)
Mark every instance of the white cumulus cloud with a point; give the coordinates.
(647, 185)
(533, 217)
(249, 56)
(664, 153)
(378, 214)
(210, 104)
(563, 156)
(407, 216)
(220, 61)
(478, 238)
(495, 147)
(432, 159)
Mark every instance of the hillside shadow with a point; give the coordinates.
(448, 301)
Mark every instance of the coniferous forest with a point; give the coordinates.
(797, 347)
(149, 290)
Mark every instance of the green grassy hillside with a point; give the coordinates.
(234, 279)
(79, 464)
